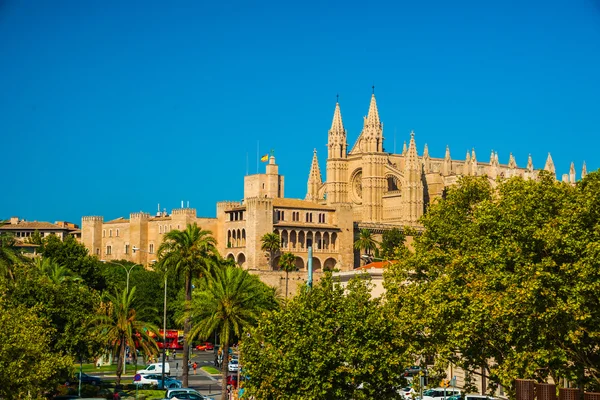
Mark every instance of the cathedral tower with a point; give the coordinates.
(412, 192)
(374, 160)
(337, 161)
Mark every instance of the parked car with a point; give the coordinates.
(185, 393)
(407, 392)
(233, 366)
(439, 393)
(88, 379)
(206, 346)
(156, 380)
(155, 368)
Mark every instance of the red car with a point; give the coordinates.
(206, 346)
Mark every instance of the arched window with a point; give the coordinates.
(103, 232)
(108, 250)
(151, 248)
(160, 229)
(117, 233)
(110, 233)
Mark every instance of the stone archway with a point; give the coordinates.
(316, 264)
(276, 263)
(230, 256)
(299, 263)
(329, 264)
(241, 260)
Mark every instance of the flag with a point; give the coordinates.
(265, 158)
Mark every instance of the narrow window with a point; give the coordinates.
(151, 249)
(108, 250)
(126, 249)
(159, 229)
(110, 233)
(103, 232)
(117, 233)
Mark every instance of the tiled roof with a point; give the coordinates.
(32, 225)
(117, 221)
(377, 264)
(297, 203)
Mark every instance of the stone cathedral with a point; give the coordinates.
(364, 187)
(387, 189)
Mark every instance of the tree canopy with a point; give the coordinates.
(506, 278)
(326, 343)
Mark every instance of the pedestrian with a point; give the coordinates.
(216, 360)
(189, 364)
(174, 354)
(194, 365)
(168, 353)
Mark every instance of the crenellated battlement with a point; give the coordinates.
(92, 218)
(227, 205)
(184, 211)
(139, 215)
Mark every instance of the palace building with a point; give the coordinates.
(364, 188)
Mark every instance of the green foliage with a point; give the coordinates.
(74, 256)
(10, 256)
(66, 305)
(507, 279)
(188, 253)
(326, 343)
(230, 301)
(35, 238)
(271, 242)
(287, 263)
(121, 327)
(28, 363)
(365, 242)
(391, 240)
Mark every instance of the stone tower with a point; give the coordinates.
(370, 144)
(91, 233)
(412, 192)
(314, 181)
(337, 161)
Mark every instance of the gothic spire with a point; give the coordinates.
(529, 164)
(512, 163)
(404, 149)
(572, 172)
(337, 144)
(583, 171)
(314, 180)
(373, 115)
(337, 126)
(426, 151)
(492, 158)
(315, 172)
(412, 157)
(549, 165)
(447, 156)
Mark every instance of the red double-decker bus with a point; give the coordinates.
(173, 340)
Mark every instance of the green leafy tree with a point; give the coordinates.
(326, 343)
(56, 273)
(229, 302)
(121, 327)
(74, 256)
(188, 253)
(287, 263)
(10, 256)
(28, 363)
(503, 279)
(271, 242)
(365, 242)
(35, 238)
(391, 241)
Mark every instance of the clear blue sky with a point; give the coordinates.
(111, 107)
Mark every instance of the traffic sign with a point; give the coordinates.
(137, 378)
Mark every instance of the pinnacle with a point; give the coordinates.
(315, 172)
(583, 171)
(447, 156)
(373, 115)
(549, 164)
(337, 125)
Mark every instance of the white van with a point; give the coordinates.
(155, 368)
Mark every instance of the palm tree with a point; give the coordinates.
(287, 262)
(365, 242)
(120, 326)
(188, 253)
(56, 273)
(230, 301)
(271, 242)
(9, 256)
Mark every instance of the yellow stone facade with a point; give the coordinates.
(365, 187)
